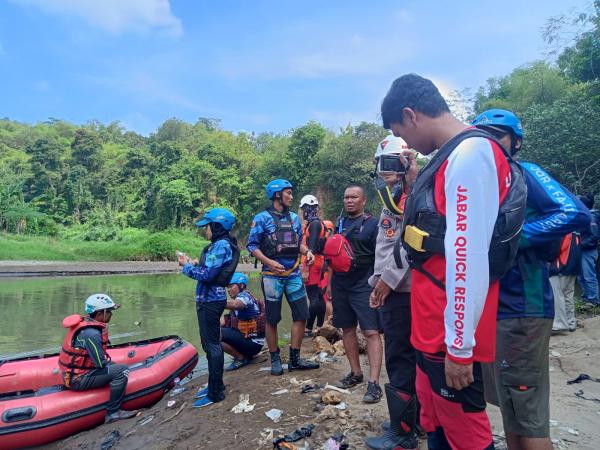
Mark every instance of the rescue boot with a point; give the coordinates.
(297, 363)
(276, 368)
(401, 434)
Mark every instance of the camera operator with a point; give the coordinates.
(395, 171)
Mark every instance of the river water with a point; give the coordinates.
(32, 309)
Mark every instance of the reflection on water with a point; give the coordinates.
(32, 309)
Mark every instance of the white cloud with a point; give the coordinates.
(116, 16)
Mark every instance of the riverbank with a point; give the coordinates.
(61, 268)
(573, 426)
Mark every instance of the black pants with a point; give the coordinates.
(236, 339)
(209, 317)
(316, 307)
(113, 374)
(400, 357)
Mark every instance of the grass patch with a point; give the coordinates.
(128, 245)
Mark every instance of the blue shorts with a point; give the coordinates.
(293, 288)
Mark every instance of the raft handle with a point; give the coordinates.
(18, 414)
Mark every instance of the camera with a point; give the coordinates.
(391, 163)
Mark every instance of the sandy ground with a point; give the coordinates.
(575, 421)
(58, 268)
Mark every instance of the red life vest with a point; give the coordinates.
(74, 361)
(314, 270)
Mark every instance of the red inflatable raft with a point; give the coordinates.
(36, 409)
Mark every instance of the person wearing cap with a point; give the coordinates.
(519, 379)
(83, 359)
(213, 272)
(275, 240)
(314, 235)
(243, 329)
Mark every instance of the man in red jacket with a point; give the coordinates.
(450, 220)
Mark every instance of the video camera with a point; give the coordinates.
(391, 163)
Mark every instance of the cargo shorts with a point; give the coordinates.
(275, 287)
(519, 379)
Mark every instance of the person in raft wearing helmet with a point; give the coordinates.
(213, 273)
(276, 241)
(83, 360)
(314, 235)
(243, 329)
(526, 306)
(396, 170)
(460, 228)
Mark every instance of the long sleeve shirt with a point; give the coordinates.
(217, 257)
(90, 338)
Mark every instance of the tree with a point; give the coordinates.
(85, 148)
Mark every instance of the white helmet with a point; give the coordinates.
(309, 200)
(98, 302)
(391, 145)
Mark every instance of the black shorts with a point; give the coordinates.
(236, 339)
(350, 297)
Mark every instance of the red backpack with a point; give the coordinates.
(337, 250)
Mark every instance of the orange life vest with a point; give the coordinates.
(75, 361)
(253, 328)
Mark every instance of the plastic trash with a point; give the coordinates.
(274, 414)
(311, 388)
(110, 440)
(146, 420)
(171, 403)
(300, 433)
(336, 443)
(583, 377)
(342, 406)
(243, 405)
(280, 392)
(177, 391)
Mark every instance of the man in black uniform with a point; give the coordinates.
(351, 290)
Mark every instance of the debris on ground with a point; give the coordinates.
(583, 377)
(280, 392)
(331, 398)
(582, 396)
(314, 387)
(266, 435)
(339, 348)
(146, 420)
(323, 345)
(110, 440)
(171, 403)
(336, 443)
(183, 405)
(335, 388)
(244, 405)
(274, 414)
(300, 433)
(177, 391)
(325, 357)
(329, 332)
(331, 412)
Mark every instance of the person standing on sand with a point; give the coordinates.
(213, 272)
(396, 169)
(275, 240)
(350, 293)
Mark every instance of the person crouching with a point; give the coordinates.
(243, 329)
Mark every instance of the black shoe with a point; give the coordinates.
(276, 368)
(373, 394)
(389, 440)
(297, 363)
(349, 381)
(119, 415)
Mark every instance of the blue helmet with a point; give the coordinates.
(500, 118)
(277, 186)
(239, 278)
(218, 215)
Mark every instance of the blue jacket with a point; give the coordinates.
(264, 225)
(251, 310)
(218, 256)
(552, 213)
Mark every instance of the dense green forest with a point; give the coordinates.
(98, 182)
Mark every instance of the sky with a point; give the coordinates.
(256, 65)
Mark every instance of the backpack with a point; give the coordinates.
(568, 261)
(338, 251)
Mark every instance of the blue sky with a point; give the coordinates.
(257, 65)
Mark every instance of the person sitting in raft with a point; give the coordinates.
(83, 359)
(243, 330)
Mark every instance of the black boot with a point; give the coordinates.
(401, 435)
(276, 368)
(297, 363)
